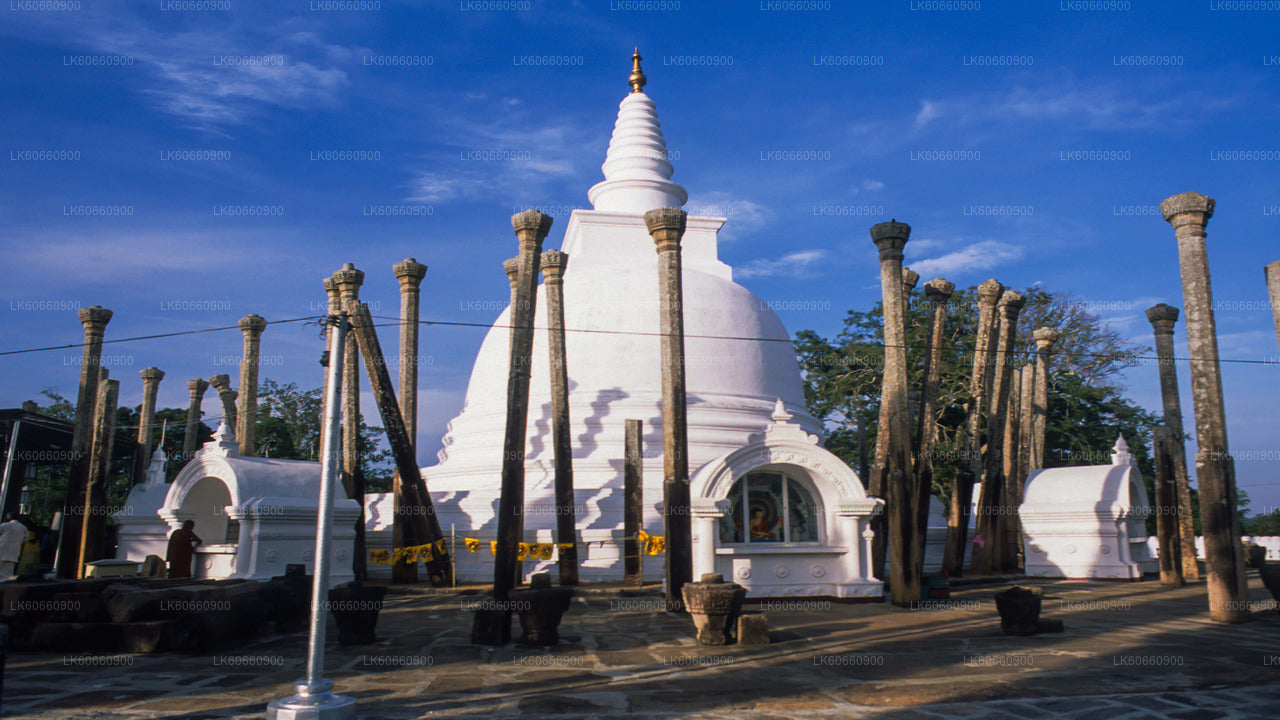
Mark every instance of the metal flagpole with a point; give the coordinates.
(314, 699)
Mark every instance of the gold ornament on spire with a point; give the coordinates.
(637, 79)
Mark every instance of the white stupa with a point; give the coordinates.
(739, 357)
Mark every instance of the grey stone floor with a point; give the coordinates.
(1130, 650)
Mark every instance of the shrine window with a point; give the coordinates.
(769, 508)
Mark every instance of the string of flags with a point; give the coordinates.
(649, 545)
(395, 556)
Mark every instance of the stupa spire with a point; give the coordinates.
(637, 173)
(637, 79)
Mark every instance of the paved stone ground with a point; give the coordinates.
(1130, 650)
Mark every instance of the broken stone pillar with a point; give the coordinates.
(348, 281)
(1026, 423)
(1188, 213)
(94, 319)
(937, 292)
(247, 410)
(988, 555)
(895, 475)
(94, 511)
(151, 378)
(531, 228)
(189, 440)
(222, 383)
(968, 470)
(554, 264)
(875, 487)
(410, 273)
(666, 227)
(632, 504)
(1162, 318)
(1006, 519)
(1272, 274)
(1167, 532)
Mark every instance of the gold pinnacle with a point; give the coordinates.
(637, 79)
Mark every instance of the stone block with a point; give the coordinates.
(753, 630)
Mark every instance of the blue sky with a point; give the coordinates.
(1028, 141)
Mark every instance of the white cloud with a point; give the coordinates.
(744, 216)
(928, 112)
(796, 265)
(978, 256)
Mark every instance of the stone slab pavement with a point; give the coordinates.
(1130, 651)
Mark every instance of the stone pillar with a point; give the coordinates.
(190, 440)
(531, 228)
(93, 529)
(151, 378)
(632, 504)
(1045, 338)
(554, 264)
(335, 306)
(247, 409)
(666, 227)
(1162, 318)
(1026, 425)
(1272, 274)
(895, 475)
(1006, 520)
(1188, 213)
(512, 267)
(987, 554)
(222, 383)
(410, 273)
(968, 469)
(94, 319)
(1167, 531)
(348, 281)
(875, 486)
(937, 292)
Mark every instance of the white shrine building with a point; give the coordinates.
(802, 529)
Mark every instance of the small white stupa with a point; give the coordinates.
(739, 358)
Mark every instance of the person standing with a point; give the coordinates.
(182, 545)
(13, 535)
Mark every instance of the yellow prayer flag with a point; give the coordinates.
(472, 544)
(543, 551)
(493, 547)
(380, 557)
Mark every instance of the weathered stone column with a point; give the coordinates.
(222, 383)
(348, 281)
(410, 273)
(1162, 319)
(531, 228)
(1166, 500)
(968, 470)
(151, 378)
(554, 264)
(512, 267)
(247, 409)
(895, 474)
(94, 319)
(93, 529)
(334, 307)
(1045, 338)
(937, 292)
(632, 504)
(1026, 429)
(879, 523)
(190, 441)
(1188, 213)
(987, 554)
(1006, 519)
(666, 227)
(1272, 274)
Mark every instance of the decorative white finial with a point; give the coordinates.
(780, 413)
(155, 470)
(223, 442)
(637, 173)
(1120, 454)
